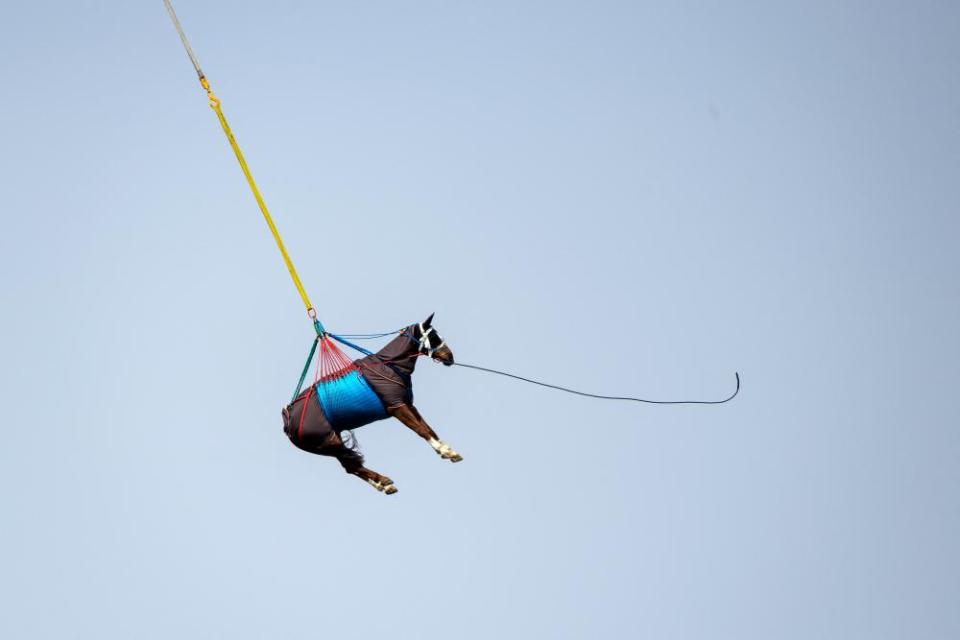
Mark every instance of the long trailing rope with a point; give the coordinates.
(214, 102)
(369, 336)
(597, 395)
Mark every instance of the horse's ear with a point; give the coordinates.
(429, 321)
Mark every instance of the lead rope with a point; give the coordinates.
(598, 396)
(214, 102)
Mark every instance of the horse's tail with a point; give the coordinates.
(350, 442)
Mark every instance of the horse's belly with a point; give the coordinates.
(348, 401)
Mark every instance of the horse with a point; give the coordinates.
(389, 374)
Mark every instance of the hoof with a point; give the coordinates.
(451, 455)
(382, 486)
(445, 451)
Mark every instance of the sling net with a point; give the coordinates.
(344, 395)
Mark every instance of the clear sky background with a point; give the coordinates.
(624, 197)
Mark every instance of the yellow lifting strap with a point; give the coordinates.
(215, 105)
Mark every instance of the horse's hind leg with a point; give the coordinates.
(408, 415)
(352, 463)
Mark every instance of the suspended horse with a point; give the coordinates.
(349, 394)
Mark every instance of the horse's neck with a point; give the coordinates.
(401, 352)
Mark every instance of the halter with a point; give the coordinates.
(424, 343)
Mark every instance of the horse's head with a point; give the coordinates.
(430, 343)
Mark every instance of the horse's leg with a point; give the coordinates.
(442, 448)
(408, 415)
(352, 463)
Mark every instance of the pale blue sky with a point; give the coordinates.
(625, 197)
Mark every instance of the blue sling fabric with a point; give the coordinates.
(347, 400)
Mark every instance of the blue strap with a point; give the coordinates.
(350, 344)
(369, 336)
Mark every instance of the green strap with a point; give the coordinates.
(321, 332)
(306, 368)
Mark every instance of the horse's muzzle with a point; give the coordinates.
(444, 356)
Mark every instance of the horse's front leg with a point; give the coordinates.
(408, 415)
